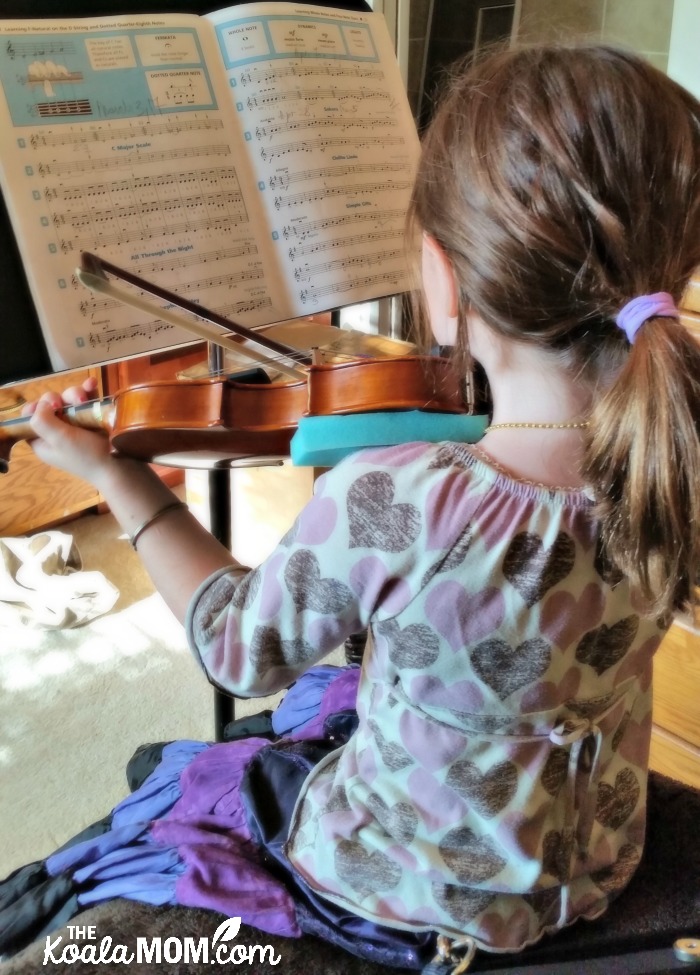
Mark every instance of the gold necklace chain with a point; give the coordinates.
(539, 426)
(488, 459)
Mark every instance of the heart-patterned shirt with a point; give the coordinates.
(496, 783)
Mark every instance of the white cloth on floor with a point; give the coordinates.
(43, 584)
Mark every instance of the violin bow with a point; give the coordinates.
(93, 271)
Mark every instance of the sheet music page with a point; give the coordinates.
(258, 161)
(322, 105)
(115, 140)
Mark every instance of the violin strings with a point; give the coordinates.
(296, 356)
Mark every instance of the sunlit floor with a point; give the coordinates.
(76, 703)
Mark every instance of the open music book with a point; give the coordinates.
(258, 159)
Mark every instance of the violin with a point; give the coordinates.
(193, 423)
(245, 419)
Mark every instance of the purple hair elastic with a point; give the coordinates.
(638, 310)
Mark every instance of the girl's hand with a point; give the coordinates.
(177, 551)
(84, 453)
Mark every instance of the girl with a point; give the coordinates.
(491, 786)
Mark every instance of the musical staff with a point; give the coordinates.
(231, 201)
(63, 109)
(304, 69)
(203, 285)
(344, 242)
(72, 168)
(285, 179)
(325, 192)
(218, 179)
(345, 263)
(150, 268)
(317, 294)
(238, 309)
(306, 95)
(151, 331)
(96, 241)
(38, 49)
(310, 228)
(221, 255)
(272, 129)
(344, 142)
(149, 128)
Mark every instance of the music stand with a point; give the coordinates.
(26, 356)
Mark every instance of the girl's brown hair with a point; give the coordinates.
(563, 181)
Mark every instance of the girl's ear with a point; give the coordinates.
(441, 291)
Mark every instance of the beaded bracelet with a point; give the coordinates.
(149, 521)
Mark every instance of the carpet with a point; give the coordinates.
(76, 703)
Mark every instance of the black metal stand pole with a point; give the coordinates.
(220, 520)
(220, 527)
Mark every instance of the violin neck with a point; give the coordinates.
(95, 415)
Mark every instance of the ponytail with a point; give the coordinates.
(643, 464)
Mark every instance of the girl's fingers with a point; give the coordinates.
(72, 396)
(52, 399)
(44, 412)
(75, 395)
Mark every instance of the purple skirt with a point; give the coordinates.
(208, 825)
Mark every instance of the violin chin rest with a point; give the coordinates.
(322, 441)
